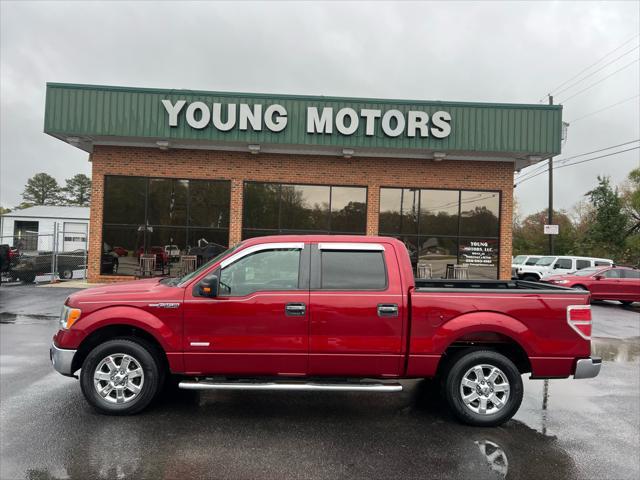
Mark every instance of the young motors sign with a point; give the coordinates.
(90, 115)
(325, 120)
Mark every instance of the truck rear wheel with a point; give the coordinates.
(483, 388)
(121, 376)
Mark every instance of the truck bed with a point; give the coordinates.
(504, 286)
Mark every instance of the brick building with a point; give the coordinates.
(181, 170)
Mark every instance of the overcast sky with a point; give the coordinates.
(476, 51)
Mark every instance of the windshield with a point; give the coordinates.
(519, 259)
(545, 261)
(586, 272)
(198, 271)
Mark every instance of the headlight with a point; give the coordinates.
(561, 281)
(68, 316)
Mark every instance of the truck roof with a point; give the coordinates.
(321, 238)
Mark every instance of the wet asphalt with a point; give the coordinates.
(565, 428)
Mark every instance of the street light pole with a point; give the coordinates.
(550, 219)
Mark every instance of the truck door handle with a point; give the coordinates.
(295, 309)
(387, 310)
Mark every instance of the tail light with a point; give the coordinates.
(579, 318)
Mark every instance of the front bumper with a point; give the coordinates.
(62, 359)
(588, 367)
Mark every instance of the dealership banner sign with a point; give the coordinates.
(88, 115)
(325, 120)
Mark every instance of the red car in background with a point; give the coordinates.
(609, 283)
(162, 257)
(120, 251)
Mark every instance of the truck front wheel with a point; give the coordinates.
(121, 376)
(483, 388)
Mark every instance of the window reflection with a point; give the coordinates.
(271, 209)
(163, 217)
(305, 207)
(348, 209)
(439, 212)
(432, 222)
(124, 200)
(479, 212)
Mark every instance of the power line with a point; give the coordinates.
(592, 65)
(596, 71)
(603, 109)
(599, 81)
(581, 161)
(563, 160)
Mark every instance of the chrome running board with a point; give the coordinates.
(290, 386)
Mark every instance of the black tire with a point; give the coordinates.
(142, 353)
(453, 376)
(626, 303)
(531, 278)
(66, 274)
(580, 287)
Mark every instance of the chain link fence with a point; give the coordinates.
(32, 257)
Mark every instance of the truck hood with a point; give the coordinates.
(122, 292)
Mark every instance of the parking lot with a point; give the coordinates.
(564, 429)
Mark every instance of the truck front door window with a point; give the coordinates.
(264, 270)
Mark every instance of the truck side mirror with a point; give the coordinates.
(598, 277)
(208, 286)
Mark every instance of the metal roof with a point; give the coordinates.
(87, 115)
(51, 211)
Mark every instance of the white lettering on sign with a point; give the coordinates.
(275, 118)
(254, 117)
(217, 117)
(399, 123)
(417, 121)
(341, 126)
(319, 123)
(173, 110)
(204, 115)
(370, 117)
(347, 120)
(441, 124)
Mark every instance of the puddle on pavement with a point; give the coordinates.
(616, 350)
(23, 319)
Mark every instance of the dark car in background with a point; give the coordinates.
(608, 283)
(29, 267)
(206, 252)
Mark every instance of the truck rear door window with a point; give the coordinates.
(352, 270)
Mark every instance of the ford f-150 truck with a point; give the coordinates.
(322, 313)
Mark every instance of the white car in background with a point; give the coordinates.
(522, 260)
(558, 265)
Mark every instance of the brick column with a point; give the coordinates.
(373, 209)
(506, 233)
(235, 212)
(94, 245)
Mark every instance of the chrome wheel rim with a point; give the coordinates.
(484, 389)
(118, 378)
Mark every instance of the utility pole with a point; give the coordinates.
(550, 219)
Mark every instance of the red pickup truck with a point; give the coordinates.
(322, 313)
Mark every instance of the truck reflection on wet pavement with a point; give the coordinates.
(564, 429)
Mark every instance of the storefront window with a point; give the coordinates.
(271, 209)
(479, 212)
(124, 200)
(439, 212)
(164, 217)
(444, 228)
(348, 209)
(304, 207)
